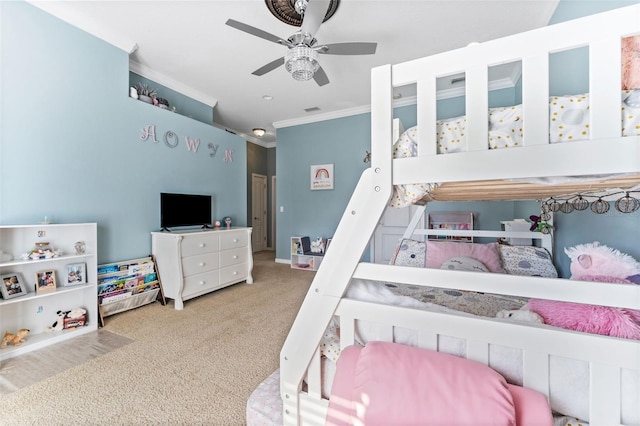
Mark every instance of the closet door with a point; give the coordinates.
(389, 231)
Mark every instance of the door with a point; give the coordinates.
(259, 212)
(389, 232)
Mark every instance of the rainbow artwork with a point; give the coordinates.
(322, 176)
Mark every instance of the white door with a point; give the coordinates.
(274, 213)
(259, 212)
(389, 232)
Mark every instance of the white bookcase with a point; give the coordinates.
(38, 311)
(302, 257)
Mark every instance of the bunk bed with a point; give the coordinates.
(609, 360)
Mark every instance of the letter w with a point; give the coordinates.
(192, 145)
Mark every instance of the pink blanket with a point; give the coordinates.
(389, 383)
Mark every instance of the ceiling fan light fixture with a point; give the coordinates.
(302, 62)
(259, 132)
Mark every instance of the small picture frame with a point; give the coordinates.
(321, 177)
(12, 285)
(45, 281)
(76, 274)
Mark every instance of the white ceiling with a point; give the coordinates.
(185, 45)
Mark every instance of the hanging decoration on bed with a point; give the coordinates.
(626, 203)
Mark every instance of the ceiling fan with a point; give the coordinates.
(301, 60)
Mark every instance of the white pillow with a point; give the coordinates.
(568, 118)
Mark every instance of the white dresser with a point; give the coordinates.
(192, 263)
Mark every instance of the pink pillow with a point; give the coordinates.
(532, 407)
(398, 384)
(440, 251)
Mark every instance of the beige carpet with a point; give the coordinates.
(195, 366)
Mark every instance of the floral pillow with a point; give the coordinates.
(409, 253)
(527, 260)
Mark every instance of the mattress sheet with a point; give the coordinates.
(569, 118)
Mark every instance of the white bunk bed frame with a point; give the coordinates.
(300, 359)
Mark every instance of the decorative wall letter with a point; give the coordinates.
(170, 135)
(192, 144)
(228, 155)
(214, 149)
(149, 132)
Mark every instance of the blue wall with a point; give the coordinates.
(70, 141)
(344, 141)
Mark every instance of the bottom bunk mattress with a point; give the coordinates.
(264, 406)
(569, 378)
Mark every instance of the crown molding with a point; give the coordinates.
(169, 82)
(503, 83)
(246, 137)
(86, 24)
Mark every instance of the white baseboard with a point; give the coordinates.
(288, 261)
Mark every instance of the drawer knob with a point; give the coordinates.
(202, 245)
(202, 282)
(235, 272)
(201, 264)
(235, 257)
(235, 240)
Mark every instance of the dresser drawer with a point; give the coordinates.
(233, 257)
(199, 264)
(199, 244)
(233, 239)
(200, 283)
(233, 273)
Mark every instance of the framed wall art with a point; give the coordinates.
(321, 177)
(76, 274)
(45, 281)
(12, 285)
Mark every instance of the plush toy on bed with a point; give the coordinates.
(594, 262)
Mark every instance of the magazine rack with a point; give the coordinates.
(127, 285)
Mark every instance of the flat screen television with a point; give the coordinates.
(184, 210)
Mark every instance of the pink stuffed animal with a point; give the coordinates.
(594, 262)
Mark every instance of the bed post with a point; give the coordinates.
(352, 236)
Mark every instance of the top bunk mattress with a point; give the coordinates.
(569, 121)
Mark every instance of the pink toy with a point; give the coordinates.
(618, 322)
(594, 262)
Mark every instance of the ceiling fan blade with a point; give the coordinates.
(269, 67)
(313, 16)
(321, 77)
(354, 48)
(254, 31)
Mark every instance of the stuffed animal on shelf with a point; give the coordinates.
(317, 246)
(594, 262)
(16, 339)
(59, 323)
(76, 313)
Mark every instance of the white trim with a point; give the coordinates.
(169, 82)
(83, 22)
(287, 261)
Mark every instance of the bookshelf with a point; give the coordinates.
(453, 221)
(34, 309)
(301, 255)
(128, 285)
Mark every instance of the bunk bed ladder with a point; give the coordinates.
(349, 243)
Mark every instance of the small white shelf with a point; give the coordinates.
(32, 295)
(301, 258)
(41, 340)
(38, 311)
